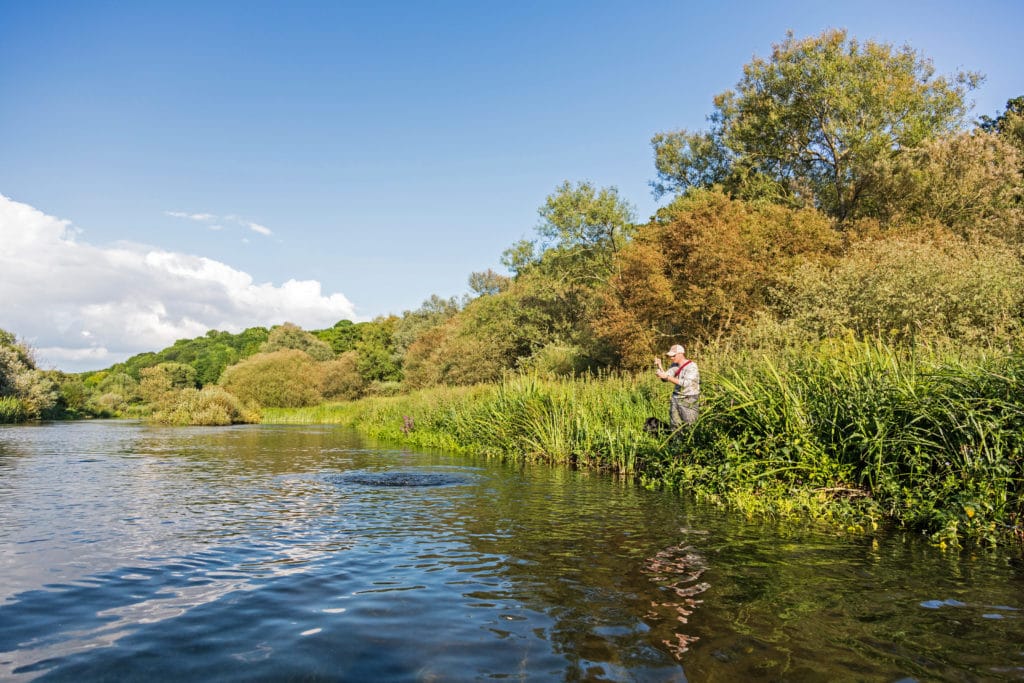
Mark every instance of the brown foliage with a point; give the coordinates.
(705, 266)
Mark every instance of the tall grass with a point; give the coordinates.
(857, 433)
(591, 421)
(923, 438)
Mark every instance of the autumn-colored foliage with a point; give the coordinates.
(706, 265)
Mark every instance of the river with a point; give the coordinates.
(134, 552)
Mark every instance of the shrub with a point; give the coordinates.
(704, 267)
(164, 380)
(557, 360)
(903, 286)
(110, 404)
(208, 406)
(291, 336)
(341, 379)
(969, 182)
(282, 379)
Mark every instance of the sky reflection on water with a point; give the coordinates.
(129, 551)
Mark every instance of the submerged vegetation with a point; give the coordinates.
(842, 251)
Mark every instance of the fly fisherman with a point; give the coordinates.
(682, 406)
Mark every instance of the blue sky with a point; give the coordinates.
(182, 166)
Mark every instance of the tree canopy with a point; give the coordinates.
(809, 124)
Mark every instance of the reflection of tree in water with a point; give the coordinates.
(676, 571)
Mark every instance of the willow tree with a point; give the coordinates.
(810, 124)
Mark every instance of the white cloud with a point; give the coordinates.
(86, 307)
(212, 221)
(201, 217)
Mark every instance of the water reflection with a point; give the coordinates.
(677, 570)
(128, 551)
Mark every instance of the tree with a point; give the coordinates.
(705, 266)
(904, 284)
(341, 378)
(379, 360)
(488, 282)
(558, 276)
(970, 183)
(433, 312)
(26, 393)
(487, 337)
(160, 382)
(1009, 124)
(342, 337)
(291, 336)
(581, 229)
(810, 123)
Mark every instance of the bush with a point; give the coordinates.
(282, 379)
(969, 182)
(341, 379)
(162, 381)
(905, 286)
(706, 266)
(208, 406)
(110, 404)
(557, 360)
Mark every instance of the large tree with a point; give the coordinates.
(809, 124)
(706, 265)
(559, 275)
(581, 229)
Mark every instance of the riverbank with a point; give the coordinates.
(853, 434)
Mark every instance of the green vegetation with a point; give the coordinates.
(858, 434)
(26, 393)
(207, 406)
(842, 251)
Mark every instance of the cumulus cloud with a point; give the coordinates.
(83, 306)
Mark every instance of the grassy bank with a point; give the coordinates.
(856, 434)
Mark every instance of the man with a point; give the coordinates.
(682, 407)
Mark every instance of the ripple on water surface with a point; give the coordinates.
(268, 552)
(400, 478)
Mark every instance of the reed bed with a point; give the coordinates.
(589, 421)
(859, 434)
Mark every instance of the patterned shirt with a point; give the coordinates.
(689, 379)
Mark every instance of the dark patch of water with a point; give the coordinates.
(399, 478)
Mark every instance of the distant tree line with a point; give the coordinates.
(839, 189)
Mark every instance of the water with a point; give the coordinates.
(131, 552)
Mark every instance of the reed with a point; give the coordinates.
(592, 421)
(857, 433)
